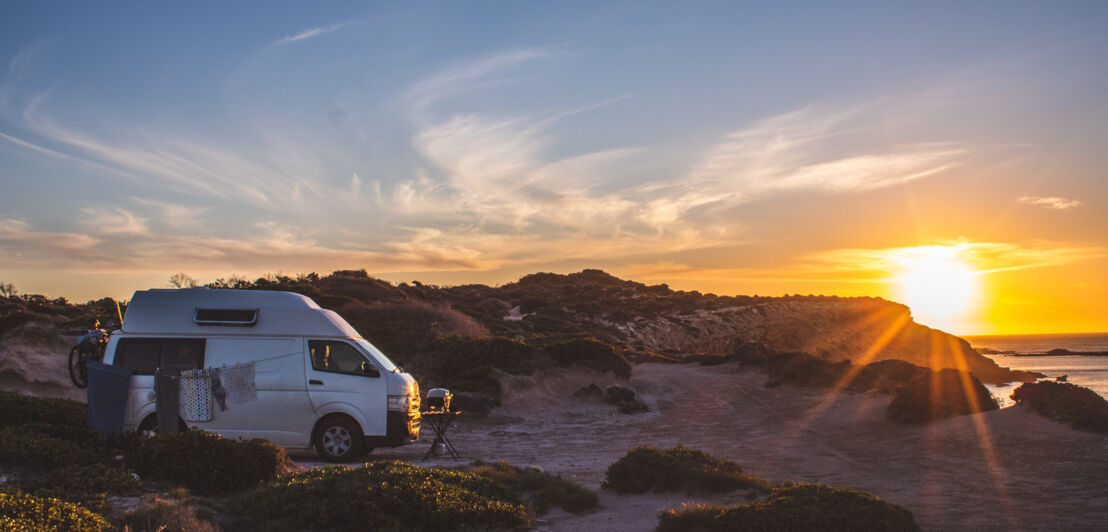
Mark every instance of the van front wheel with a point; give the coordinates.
(338, 440)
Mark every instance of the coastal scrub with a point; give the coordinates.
(1077, 406)
(647, 468)
(795, 508)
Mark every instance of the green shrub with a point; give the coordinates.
(33, 449)
(1080, 407)
(679, 469)
(886, 375)
(163, 517)
(798, 508)
(465, 364)
(16, 409)
(20, 511)
(590, 353)
(385, 496)
(547, 490)
(83, 483)
(940, 394)
(806, 370)
(207, 463)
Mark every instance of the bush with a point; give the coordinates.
(886, 375)
(163, 517)
(82, 483)
(1080, 407)
(207, 463)
(806, 370)
(385, 496)
(16, 409)
(940, 394)
(590, 353)
(31, 449)
(20, 511)
(679, 469)
(465, 364)
(797, 508)
(548, 490)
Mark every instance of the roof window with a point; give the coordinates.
(241, 317)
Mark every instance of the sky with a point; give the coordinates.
(729, 147)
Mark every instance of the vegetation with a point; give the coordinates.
(797, 508)
(165, 517)
(940, 394)
(207, 463)
(647, 468)
(386, 496)
(21, 512)
(1080, 407)
(50, 451)
(547, 490)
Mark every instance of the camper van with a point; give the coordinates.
(261, 364)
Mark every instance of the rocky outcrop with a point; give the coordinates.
(860, 330)
(34, 361)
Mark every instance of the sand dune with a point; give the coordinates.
(1007, 469)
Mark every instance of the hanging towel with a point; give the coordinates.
(108, 388)
(167, 396)
(238, 380)
(218, 391)
(196, 394)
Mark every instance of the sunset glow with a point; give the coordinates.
(948, 156)
(937, 285)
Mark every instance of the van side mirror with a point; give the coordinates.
(369, 370)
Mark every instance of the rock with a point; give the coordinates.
(624, 398)
(591, 390)
(34, 358)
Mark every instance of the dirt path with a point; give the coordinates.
(1004, 470)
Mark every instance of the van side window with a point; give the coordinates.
(145, 355)
(335, 357)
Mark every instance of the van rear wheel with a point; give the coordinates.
(338, 440)
(149, 426)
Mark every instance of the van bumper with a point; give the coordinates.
(402, 428)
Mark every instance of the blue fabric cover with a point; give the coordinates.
(167, 393)
(108, 387)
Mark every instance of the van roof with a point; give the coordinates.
(174, 311)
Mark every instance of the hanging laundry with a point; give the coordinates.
(218, 391)
(238, 380)
(196, 394)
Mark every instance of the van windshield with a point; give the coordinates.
(378, 355)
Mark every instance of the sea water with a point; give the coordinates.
(1025, 351)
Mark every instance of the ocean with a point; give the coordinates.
(1026, 352)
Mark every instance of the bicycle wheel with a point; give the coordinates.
(78, 371)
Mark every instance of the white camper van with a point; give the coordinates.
(311, 379)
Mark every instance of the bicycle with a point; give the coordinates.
(90, 346)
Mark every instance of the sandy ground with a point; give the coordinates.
(1003, 470)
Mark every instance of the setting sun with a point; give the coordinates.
(938, 285)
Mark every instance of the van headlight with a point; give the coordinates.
(407, 402)
(399, 403)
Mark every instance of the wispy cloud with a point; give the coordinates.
(172, 214)
(794, 151)
(1051, 202)
(114, 221)
(286, 177)
(313, 32)
(32, 146)
(466, 75)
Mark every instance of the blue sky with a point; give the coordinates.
(727, 146)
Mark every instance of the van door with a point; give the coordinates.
(281, 412)
(343, 378)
